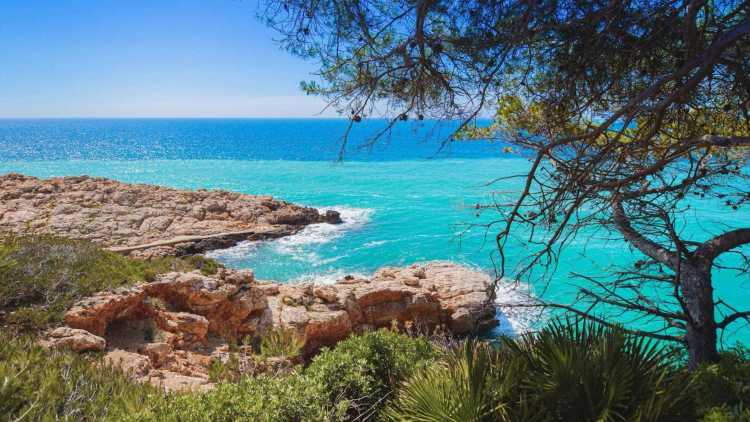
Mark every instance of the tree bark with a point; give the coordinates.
(695, 284)
(697, 294)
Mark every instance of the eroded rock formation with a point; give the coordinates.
(146, 220)
(167, 332)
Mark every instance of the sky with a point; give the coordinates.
(146, 58)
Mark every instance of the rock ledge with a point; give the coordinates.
(168, 332)
(146, 220)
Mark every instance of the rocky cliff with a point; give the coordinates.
(169, 331)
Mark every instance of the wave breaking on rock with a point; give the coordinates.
(145, 220)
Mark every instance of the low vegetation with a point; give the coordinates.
(570, 370)
(281, 343)
(38, 384)
(42, 276)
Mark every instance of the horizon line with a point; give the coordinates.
(169, 117)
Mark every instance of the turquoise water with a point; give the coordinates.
(398, 206)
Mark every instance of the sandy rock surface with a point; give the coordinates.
(122, 216)
(169, 331)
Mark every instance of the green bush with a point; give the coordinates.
(353, 380)
(460, 388)
(722, 389)
(569, 371)
(38, 384)
(42, 276)
(727, 414)
(267, 399)
(364, 371)
(281, 343)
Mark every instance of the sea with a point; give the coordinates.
(406, 196)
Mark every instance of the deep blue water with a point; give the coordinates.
(406, 200)
(233, 139)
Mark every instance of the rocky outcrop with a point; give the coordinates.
(74, 339)
(146, 220)
(183, 321)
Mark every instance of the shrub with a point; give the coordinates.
(727, 414)
(348, 382)
(722, 390)
(363, 371)
(37, 384)
(459, 389)
(42, 276)
(281, 343)
(267, 399)
(569, 371)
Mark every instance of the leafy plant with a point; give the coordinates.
(285, 343)
(461, 388)
(38, 384)
(578, 370)
(723, 388)
(569, 371)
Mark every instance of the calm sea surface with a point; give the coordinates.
(406, 200)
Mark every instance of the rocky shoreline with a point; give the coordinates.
(168, 332)
(144, 220)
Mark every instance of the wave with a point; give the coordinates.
(375, 243)
(236, 252)
(329, 277)
(515, 320)
(296, 244)
(352, 218)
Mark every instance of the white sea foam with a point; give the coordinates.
(294, 245)
(352, 218)
(238, 251)
(515, 320)
(375, 243)
(329, 277)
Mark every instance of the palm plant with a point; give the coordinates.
(584, 371)
(457, 389)
(572, 370)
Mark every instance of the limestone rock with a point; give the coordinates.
(74, 339)
(197, 315)
(123, 215)
(96, 312)
(158, 353)
(175, 382)
(133, 364)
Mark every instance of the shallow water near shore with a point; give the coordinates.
(398, 206)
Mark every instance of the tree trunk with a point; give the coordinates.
(697, 293)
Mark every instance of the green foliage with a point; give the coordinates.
(42, 276)
(569, 371)
(462, 388)
(727, 414)
(281, 343)
(350, 381)
(268, 399)
(617, 376)
(37, 384)
(722, 389)
(580, 372)
(364, 371)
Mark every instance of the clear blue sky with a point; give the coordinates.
(72, 58)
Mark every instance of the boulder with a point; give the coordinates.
(132, 364)
(95, 313)
(158, 353)
(74, 339)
